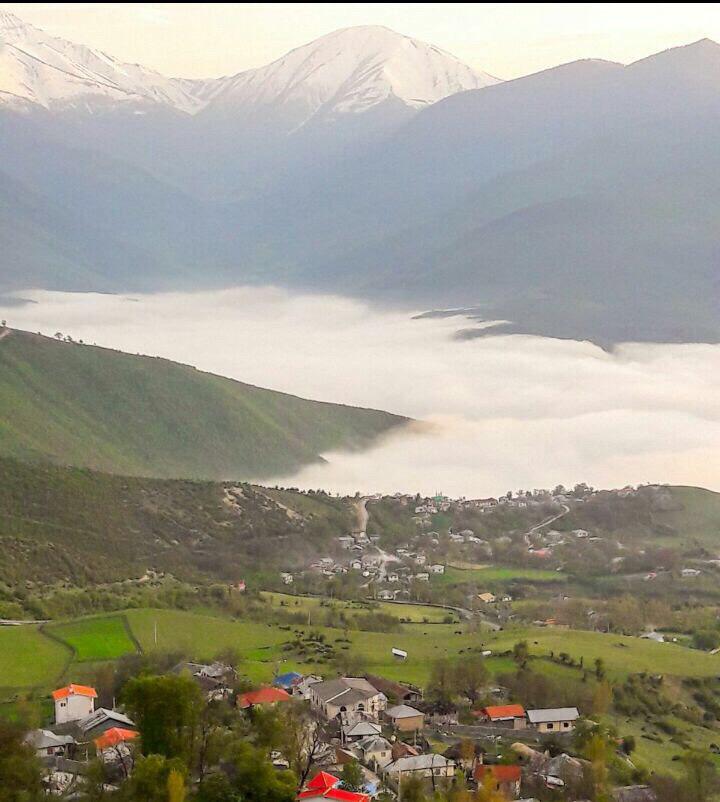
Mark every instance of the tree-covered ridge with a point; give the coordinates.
(82, 405)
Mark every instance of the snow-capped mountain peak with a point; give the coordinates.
(350, 71)
(39, 69)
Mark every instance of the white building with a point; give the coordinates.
(349, 698)
(556, 719)
(73, 702)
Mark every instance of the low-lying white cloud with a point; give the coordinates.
(510, 411)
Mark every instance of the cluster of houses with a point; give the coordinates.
(79, 730)
(381, 724)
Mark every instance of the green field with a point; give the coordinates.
(496, 574)
(94, 639)
(29, 658)
(412, 613)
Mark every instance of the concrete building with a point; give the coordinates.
(73, 702)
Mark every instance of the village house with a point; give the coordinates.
(511, 716)
(287, 579)
(325, 786)
(103, 720)
(505, 779)
(395, 691)
(214, 679)
(422, 577)
(288, 681)
(48, 744)
(113, 745)
(430, 765)
(73, 703)
(487, 598)
(374, 751)
(263, 697)
(436, 569)
(405, 718)
(359, 730)
(386, 595)
(347, 698)
(556, 719)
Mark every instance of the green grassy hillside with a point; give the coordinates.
(87, 406)
(60, 524)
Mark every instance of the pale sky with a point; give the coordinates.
(506, 39)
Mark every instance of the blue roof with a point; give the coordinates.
(287, 680)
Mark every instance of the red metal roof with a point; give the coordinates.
(74, 690)
(323, 780)
(500, 712)
(336, 794)
(263, 696)
(322, 786)
(500, 773)
(114, 736)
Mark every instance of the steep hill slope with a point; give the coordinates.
(81, 526)
(81, 405)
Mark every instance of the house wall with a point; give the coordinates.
(73, 708)
(371, 707)
(381, 757)
(410, 724)
(555, 726)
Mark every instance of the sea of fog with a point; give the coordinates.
(508, 412)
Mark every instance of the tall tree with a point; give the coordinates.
(167, 711)
(19, 769)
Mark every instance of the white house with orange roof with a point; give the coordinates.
(73, 702)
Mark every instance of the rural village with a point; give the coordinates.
(358, 735)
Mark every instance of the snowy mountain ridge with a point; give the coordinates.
(348, 71)
(43, 70)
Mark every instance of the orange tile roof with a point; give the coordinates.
(114, 736)
(74, 690)
(263, 696)
(503, 711)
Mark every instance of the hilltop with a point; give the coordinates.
(81, 405)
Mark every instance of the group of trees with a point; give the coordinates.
(464, 678)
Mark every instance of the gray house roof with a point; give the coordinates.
(374, 743)
(45, 739)
(418, 763)
(552, 715)
(362, 729)
(402, 711)
(102, 715)
(344, 691)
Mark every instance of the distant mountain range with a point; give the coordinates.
(579, 202)
(91, 407)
